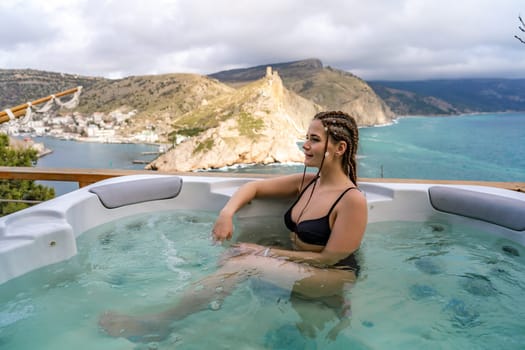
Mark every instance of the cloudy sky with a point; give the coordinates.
(376, 39)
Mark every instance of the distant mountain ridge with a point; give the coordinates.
(452, 96)
(307, 77)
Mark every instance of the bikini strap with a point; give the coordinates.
(339, 198)
(308, 185)
(302, 192)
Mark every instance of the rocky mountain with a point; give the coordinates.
(260, 122)
(330, 88)
(452, 96)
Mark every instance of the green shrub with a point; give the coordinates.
(19, 189)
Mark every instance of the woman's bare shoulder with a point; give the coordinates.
(354, 197)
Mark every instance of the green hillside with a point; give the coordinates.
(18, 86)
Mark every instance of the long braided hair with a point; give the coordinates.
(339, 126)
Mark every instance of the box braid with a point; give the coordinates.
(343, 127)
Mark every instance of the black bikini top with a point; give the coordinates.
(314, 231)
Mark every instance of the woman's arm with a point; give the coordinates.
(349, 224)
(273, 187)
(317, 259)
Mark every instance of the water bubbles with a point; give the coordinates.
(106, 238)
(215, 305)
(16, 311)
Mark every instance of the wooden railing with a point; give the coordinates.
(85, 177)
(20, 110)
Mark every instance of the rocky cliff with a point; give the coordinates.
(330, 88)
(260, 123)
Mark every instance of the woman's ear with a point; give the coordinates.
(341, 147)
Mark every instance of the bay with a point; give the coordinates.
(92, 155)
(484, 147)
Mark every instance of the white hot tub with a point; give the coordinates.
(46, 233)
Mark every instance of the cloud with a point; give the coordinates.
(23, 27)
(382, 39)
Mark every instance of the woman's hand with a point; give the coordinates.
(223, 228)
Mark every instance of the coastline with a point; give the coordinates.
(27, 143)
(130, 140)
(397, 119)
(410, 149)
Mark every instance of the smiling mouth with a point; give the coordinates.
(308, 155)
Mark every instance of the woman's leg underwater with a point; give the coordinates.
(318, 310)
(307, 281)
(206, 293)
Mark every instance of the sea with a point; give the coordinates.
(483, 147)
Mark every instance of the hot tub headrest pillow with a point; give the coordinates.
(120, 194)
(499, 210)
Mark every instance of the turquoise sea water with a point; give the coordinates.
(485, 147)
(489, 147)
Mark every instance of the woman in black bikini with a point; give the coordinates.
(327, 223)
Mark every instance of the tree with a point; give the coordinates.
(522, 28)
(19, 189)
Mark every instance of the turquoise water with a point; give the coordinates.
(422, 285)
(484, 147)
(73, 154)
